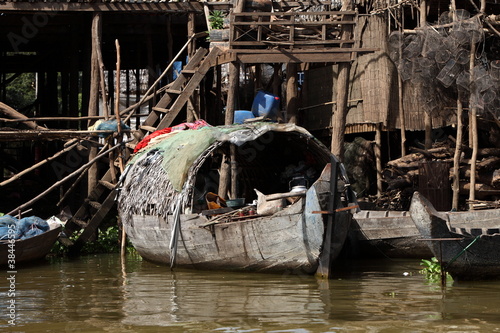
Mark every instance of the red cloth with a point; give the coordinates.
(196, 125)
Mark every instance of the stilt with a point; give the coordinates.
(291, 92)
(94, 95)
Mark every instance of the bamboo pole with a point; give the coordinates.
(456, 157)
(473, 126)
(51, 119)
(459, 140)
(62, 181)
(427, 115)
(97, 40)
(9, 111)
(401, 107)
(75, 142)
(117, 103)
(378, 158)
(192, 104)
(75, 183)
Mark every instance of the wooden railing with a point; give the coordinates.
(290, 29)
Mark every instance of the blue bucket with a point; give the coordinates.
(241, 115)
(265, 105)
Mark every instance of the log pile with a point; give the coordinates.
(401, 176)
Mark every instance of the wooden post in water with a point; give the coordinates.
(325, 259)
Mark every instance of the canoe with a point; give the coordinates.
(176, 227)
(29, 249)
(394, 234)
(473, 255)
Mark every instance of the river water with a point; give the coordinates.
(102, 293)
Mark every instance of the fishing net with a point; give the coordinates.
(438, 57)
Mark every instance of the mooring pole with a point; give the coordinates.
(325, 259)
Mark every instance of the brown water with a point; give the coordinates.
(99, 293)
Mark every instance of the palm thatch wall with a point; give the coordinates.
(373, 90)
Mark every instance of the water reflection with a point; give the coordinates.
(100, 294)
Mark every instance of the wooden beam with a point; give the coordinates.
(292, 58)
(153, 7)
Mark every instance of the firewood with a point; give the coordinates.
(481, 190)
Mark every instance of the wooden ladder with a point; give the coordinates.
(102, 198)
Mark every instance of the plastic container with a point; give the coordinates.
(265, 105)
(241, 115)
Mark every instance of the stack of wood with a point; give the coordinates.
(401, 175)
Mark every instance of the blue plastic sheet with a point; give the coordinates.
(6, 223)
(24, 228)
(110, 125)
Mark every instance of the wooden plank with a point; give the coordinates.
(96, 220)
(295, 43)
(295, 58)
(72, 226)
(181, 80)
(166, 99)
(304, 51)
(189, 88)
(284, 24)
(148, 128)
(155, 108)
(333, 13)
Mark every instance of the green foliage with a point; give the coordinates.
(432, 270)
(21, 92)
(216, 19)
(108, 241)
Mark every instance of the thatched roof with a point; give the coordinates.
(161, 177)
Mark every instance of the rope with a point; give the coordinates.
(462, 252)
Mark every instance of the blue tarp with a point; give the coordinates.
(24, 228)
(7, 222)
(110, 125)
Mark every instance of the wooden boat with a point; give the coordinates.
(30, 249)
(168, 220)
(386, 234)
(394, 234)
(466, 256)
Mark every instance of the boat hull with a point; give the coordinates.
(289, 240)
(394, 234)
(463, 255)
(30, 249)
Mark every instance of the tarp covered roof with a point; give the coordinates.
(180, 149)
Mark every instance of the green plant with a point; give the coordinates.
(108, 241)
(216, 19)
(432, 270)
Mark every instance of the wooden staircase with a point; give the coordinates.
(102, 198)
